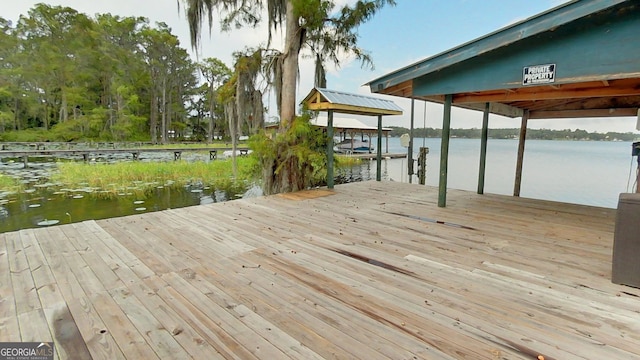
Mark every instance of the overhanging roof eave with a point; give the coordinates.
(546, 21)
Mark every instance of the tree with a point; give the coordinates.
(55, 39)
(306, 23)
(216, 74)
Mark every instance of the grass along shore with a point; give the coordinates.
(109, 180)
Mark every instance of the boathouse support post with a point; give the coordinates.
(521, 141)
(483, 148)
(444, 151)
(410, 150)
(330, 149)
(386, 137)
(379, 151)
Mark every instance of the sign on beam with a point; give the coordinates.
(539, 74)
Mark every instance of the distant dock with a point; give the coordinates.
(135, 152)
(373, 156)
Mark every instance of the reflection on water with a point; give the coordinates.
(581, 172)
(44, 207)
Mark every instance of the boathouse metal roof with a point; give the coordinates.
(580, 59)
(320, 99)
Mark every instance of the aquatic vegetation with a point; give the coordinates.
(141, 178)
(10, 184)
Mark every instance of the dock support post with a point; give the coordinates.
(379, 151)
(444, 151)
(25, 160)
(483, 148)
(422, 165)
(410, 150)
(330, 179)
(521, 141)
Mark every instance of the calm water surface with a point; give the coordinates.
(581, 172)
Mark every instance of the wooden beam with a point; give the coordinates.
(483, 148)
(379, 151)
(539, 93)
(444, 152)
(520, 161)
(330, 149)
(410, 150)
(351, 109)
(403, 89)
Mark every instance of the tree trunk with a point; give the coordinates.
(153, 118)
(289, 177)
(164, 111)
(293, 41)
(211, 110)
(64, 114)
(16, 123)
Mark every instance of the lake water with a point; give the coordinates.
(580, 172)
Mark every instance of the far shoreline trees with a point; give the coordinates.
(513, 133)
(65, 76)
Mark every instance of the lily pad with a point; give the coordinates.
(48, 222)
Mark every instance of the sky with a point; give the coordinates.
(396, 37)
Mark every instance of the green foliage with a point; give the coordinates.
(29, 135)
(9, 184)
(297, 154)
(93, 78)
(142, 177)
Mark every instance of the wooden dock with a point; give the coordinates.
(371, 270)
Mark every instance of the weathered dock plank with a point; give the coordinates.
(370, 270)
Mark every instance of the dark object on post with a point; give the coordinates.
(626, 243)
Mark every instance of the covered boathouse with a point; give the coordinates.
(580, 59)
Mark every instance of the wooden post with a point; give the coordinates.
(422, 165)
(483, 148)
(444, 151)
(523, 136)
(410, 150)
(379, 151)
(386, 137)
(330, 179)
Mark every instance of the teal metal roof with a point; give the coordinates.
(537, 24)
(585, 52)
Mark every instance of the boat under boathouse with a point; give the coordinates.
(578, 60)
